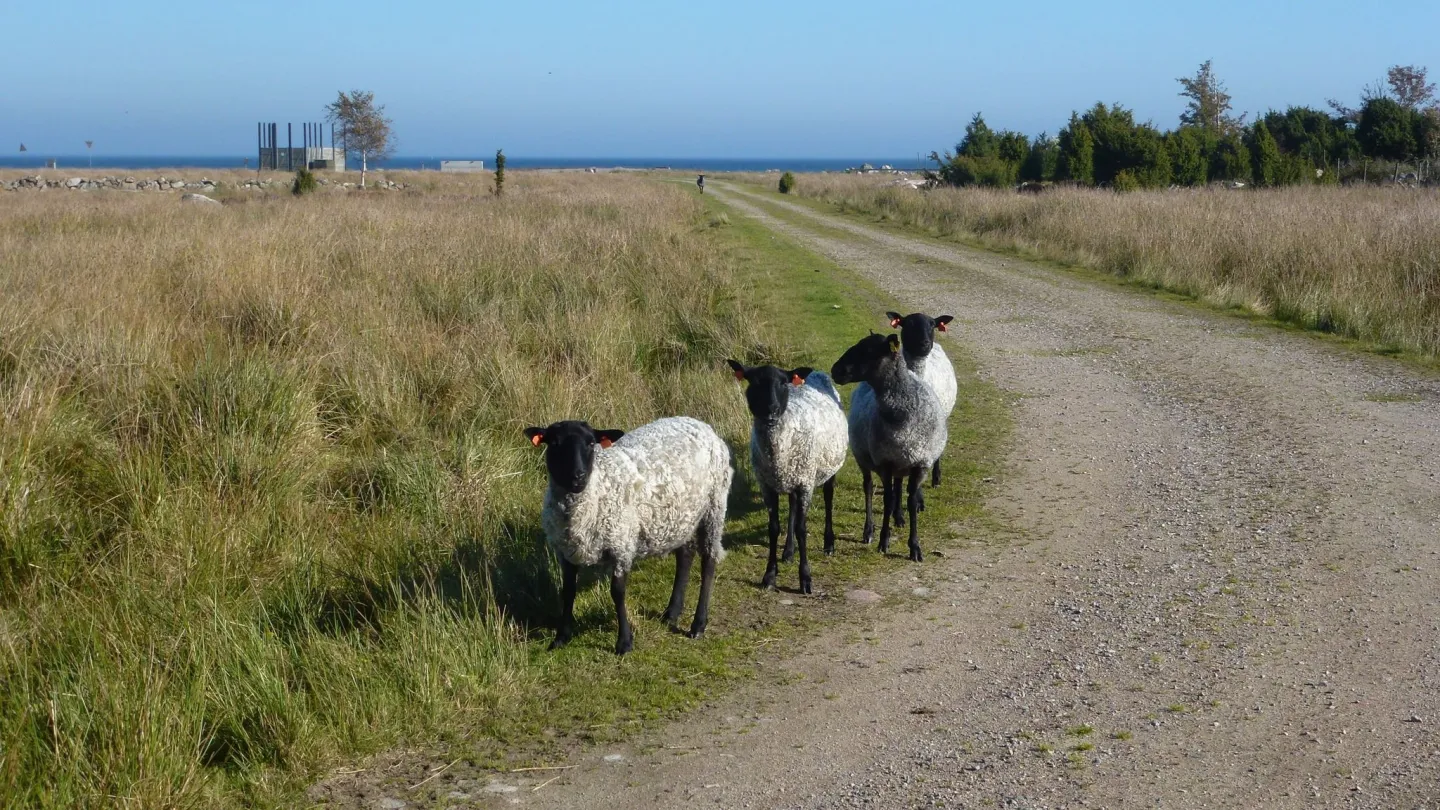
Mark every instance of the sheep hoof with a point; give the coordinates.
(916, 555)
(696, 632)
(560, 641)
(805, 587)
(830, 546)
(624, 645)
(768, 581)
(788, 555)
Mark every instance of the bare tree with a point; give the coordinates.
(1209, 105)
(1408, 86)
(90, 150)
(362, 127)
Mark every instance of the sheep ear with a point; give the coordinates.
(609, 437)
(797, 376)
(894, 342)
(535, 435)
(738, 368)
(942, 320)
(895, 319)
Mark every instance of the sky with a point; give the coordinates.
(553, 78)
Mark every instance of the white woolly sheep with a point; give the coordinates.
(797, 442)
(616, 497)
(896, 428)
(925, 357)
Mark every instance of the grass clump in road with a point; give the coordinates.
(264, 501)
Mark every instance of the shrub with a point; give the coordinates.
(1265, 159)
(1126, 181)
(787, 183)
(499, 172)
(304, 183)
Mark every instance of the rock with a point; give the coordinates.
(458, 795)
(198, 198)
(614, 757)
(862, 596)
(921, 591)
(390, 804)
(74, 182)
(500, 787)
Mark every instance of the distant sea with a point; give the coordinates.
(33, 160)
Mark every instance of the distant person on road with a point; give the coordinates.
(700, 181)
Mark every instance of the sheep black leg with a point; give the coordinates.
(801, 509)
(789, 529)
(568, 575)
(888, 496)
(626, 639)
(899, 515)
(772, 568)
(915, 477)
(868, 535)
(935, 474)
(683, 557)
(707, 582)
(829, 489)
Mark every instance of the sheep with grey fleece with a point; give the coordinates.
(896, 428)
(925, 357)
(797, 443)
(615, 498)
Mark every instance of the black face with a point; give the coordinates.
(767, 392)
(570, 451)
(917, 331)
(865, 359)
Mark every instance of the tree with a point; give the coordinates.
(1189, 164)
(1077, 152)
(1041, 163)
(500, 173)
(1013, 147)
(980, 141)
(1408, 86)
(1264, 156)
(362, 126)
(90, 152)
(1387, 130)
(1209, 105)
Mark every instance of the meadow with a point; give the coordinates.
(1362, 262)
(265, 505)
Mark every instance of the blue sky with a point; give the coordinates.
(665, 79)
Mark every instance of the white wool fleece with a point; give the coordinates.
(935, 369)
(806, 447)
(649, 493)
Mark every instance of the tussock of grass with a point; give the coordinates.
(1360, 262)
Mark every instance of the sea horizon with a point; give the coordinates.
(38, 161)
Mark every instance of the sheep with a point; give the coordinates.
(925, 357)
(615, 498)
(797, 442)
(896, 428)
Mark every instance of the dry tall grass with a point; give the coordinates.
(1363, 262)
(224, 431)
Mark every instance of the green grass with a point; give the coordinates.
(264, 503)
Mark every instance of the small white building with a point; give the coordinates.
(462, 165)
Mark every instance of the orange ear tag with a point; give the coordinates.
(941, 327)
(740, 375)
(796, 380)
(537, 438)
(895, 323)
(605, 443)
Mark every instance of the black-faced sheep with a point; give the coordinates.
(616, 497)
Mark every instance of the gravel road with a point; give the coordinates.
(1223, 589)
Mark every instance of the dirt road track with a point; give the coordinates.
(1229, 572)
